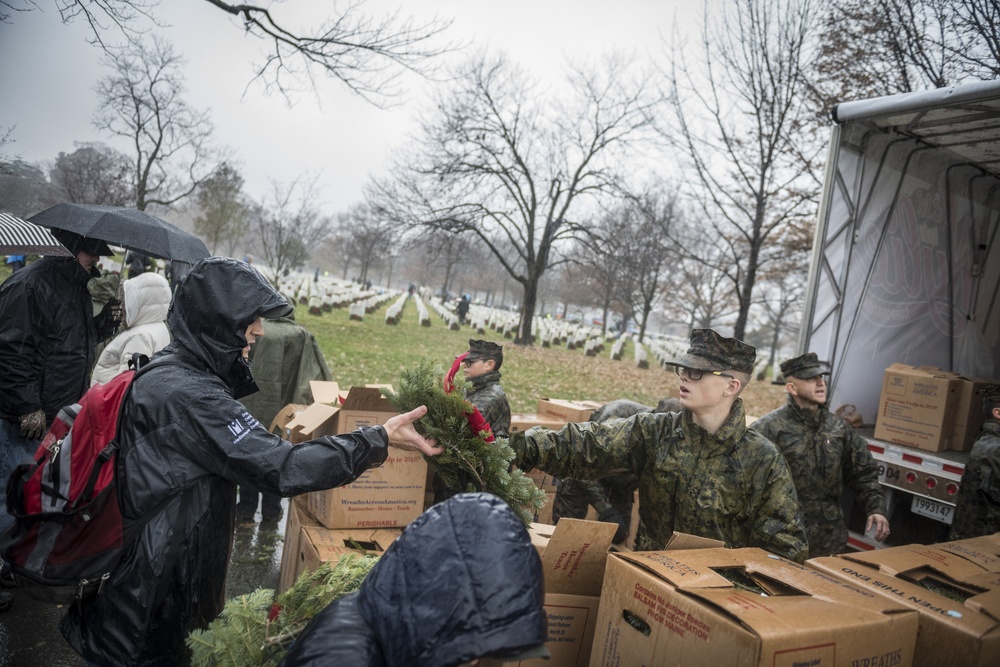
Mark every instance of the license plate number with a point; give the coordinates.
(933, 509)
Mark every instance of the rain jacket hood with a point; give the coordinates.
(463, 581)
(147, 299)
(237, 294)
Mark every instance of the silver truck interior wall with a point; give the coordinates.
(906, 263)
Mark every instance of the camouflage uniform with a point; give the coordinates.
(487, 395)
(733, 486)
(613, 493)
(824, 455)
(977, 511)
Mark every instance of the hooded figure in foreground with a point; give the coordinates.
(186, 442)
(462, 582)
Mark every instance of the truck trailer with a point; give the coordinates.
(906, 268)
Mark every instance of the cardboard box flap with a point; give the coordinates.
(363, 539)
(682, 569)
(681, 541)
(284, 416)
(782, 615)
(367, 399)
(984, 551)
(986, 603)
(575, 555)
(325, 392)
(916, 562)
(311, 418)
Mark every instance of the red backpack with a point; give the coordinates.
(68, 532)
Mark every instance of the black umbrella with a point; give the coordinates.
(124, 227)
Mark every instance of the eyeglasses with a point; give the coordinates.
(469, 362)
(695, 374)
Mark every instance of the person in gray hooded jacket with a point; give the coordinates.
(186, 442)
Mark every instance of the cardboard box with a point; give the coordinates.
(933, 582)
(984, 550)
(298, 518)
(320, 545)
(312, 422)
(389, 496)
(567, 411)
(524, 421)
(543, 481)
(917, 407)
(544, 515)
(677, 608)
(573, 558)
(968, 413)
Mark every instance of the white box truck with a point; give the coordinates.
(906, 268)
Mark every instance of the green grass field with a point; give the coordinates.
(372, 352)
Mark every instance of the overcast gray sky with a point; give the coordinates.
(48, 72)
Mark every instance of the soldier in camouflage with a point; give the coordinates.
(481, 367)
(700, 471)
(612, 495)
(825, 455)
(977, 510)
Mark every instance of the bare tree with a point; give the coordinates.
(368, 234)
(288, 225)
(500, 160)
(651, 253)
(142, 102)
(741, 123)
(93, 174)
(601, 256)
(367, 54)
(222, 208)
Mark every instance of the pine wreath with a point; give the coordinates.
(256, 630)
(468, 459)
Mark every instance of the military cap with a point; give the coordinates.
(711, 352)
(484, 349)
(804, 366)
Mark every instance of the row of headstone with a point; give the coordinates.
(422, 315)
(366, 306)
(445, 313)
(395, 311)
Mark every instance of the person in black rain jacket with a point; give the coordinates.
(186, 442)
(462, 582)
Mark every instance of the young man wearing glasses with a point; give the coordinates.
(825, 455)
(700, 471)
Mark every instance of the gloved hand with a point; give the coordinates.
(33, 425)
(109, 319)
(611, 515)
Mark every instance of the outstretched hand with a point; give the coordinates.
(402, 434)
(881, 526)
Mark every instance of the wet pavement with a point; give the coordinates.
(29, 631)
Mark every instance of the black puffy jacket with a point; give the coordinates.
(186, 444)
(48, 337)
(463, 581)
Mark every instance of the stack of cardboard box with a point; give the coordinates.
(928, 408)
(366, 515)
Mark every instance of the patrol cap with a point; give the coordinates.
(804, 367)
(711, 352)
(484, 349)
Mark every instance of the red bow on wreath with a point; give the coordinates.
(477, 422)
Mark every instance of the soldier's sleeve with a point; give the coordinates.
(596, 497)
(583, 451)
(778, 524)
(861, 474)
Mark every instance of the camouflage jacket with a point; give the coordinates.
(733, 486)
(825, 455)
(487, 395)
(977, 511)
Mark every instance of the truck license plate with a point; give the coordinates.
(933, 509)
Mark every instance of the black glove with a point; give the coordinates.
(612, 515)
(108, 319)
